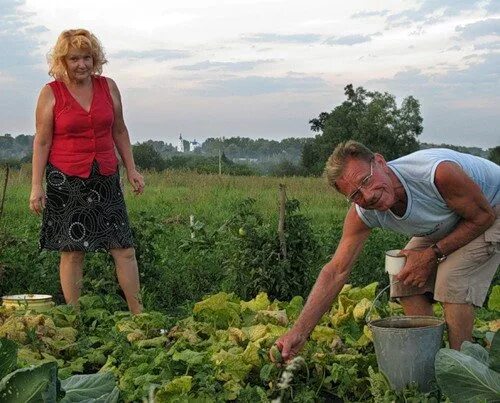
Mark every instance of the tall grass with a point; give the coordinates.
(209, 196)
(178, 193)
(173, 275)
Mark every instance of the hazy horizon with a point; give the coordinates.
(264, 68)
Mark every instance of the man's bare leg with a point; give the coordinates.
(460, 321)
(416, 305)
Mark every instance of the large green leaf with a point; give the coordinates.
(222, 309)
(31, 384)
(464, 379)
(495, 353)
(189, 356)
(8, 356)
(100, 387)
(475, 351)
(175, 390)
(494, 301)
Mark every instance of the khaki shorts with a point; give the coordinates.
(465, 276)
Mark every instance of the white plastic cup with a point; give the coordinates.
(393, 262)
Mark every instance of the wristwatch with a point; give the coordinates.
(440, 256)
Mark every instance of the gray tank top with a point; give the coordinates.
(427, 213)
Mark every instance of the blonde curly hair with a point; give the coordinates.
(78, 39)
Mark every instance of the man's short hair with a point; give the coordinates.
(343, 152)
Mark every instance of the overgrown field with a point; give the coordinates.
(217, 292)
(177, 269)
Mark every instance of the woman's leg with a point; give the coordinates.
(128, 277)
(71, 272)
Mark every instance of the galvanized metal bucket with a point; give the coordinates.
(406, 347)
(35, 302)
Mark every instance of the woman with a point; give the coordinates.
(79, 122)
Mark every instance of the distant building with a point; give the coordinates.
(180, 144)
(194, 145)
(183, 146)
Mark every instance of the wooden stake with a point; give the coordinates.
(281, 222)
(4, 189)
(220, 162)
(191, 224)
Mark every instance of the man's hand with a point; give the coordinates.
(419, 266)
(136, 180)
(37, 199)
(289, 344)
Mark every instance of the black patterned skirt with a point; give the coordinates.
(84, 214)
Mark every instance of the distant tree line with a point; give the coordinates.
(147, 157)
(15, 147)
(371, 117)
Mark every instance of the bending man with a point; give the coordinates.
(447, 201)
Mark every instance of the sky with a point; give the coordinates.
(264, 68)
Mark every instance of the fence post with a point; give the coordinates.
(220, 163)
(4, 189)
(281, 222)
(191, 225)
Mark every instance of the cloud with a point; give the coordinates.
(280, 38)
(461, 106)
(493, 7)
(427, 8)
(488, 46)
(223, 66)
(160, 55)
(39, 29)
(366, 14)
(477, 79)
(21, 75)
(480, 78)
(348, 40)
(470, 57)
(18, 39)
(491, 26)
(258, 85)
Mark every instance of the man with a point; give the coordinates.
(447, 201)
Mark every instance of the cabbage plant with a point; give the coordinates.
(471, 374)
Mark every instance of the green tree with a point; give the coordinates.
(372, 118)
(285, 168)
(494, 155)
(146, 157)
(309, 159)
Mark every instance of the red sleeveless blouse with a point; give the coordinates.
(80, 137)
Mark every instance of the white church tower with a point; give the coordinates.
(180, 144)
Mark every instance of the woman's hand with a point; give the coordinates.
(136, 180)
(290, 344)
(37, 199)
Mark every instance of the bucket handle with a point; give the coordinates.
(368, 316)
